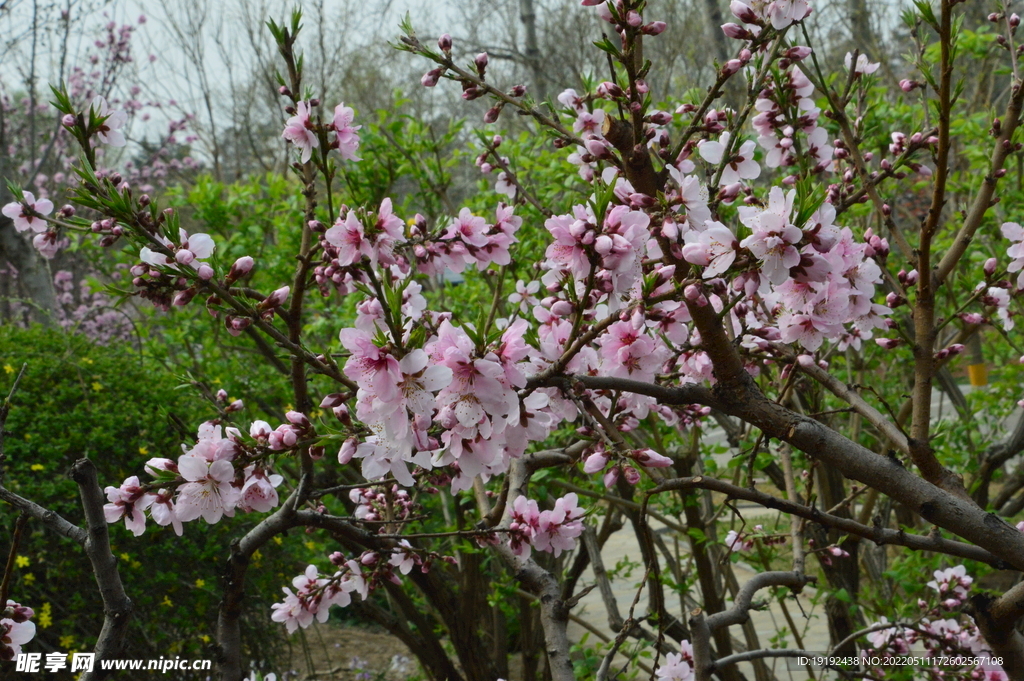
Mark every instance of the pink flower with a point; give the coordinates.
(741, 166)
(714, 249)
(862, 66)
(47, 244)
(110, 130)
(130, 502)
(348, 237)
(524, 295)
(1010, 230)
(469, 228)
(784, 12)
(208, 492)
(299, 131)
(23, 212)
(676, 667)
(347, 138)
(375, 371)
(258, 493)
(15, 632)
(774, 240)
(164, 512)
(558, 528)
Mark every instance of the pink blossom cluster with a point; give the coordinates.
(303, 132)
(314, 595)
(677, 666)
(938, 633)
(600, 458)
(374, 505)
(553, 531)
(952, 584)
(755, 14)
(785, 107)
(223, 472)
(467, 240)
(16, 629)
(1015, 233)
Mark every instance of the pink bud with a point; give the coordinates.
(240, 268)
(633, 18)
(205, 272)
(348, 450)
(743, 12)
(990, 266)
(736, 32)
(68, 120)
(612, 476)
(595, 462)
(481, 62)
(631, 474)
(182, 298)
(654, 28)
(445, 43)
(431, 77)
(492, 114)
(797, 53)
(276, 298)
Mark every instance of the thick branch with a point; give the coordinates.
(117, 607)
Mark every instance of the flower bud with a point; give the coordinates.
(797, 53)
(736, 32)
(990, 266)
(431, 77)
(68, 121)
(445, 43)
(654, 28)
(240, 268)
(743, 12)
(481, 62)
(205, 272)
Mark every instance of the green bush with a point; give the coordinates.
(108, 403)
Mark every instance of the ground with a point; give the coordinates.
(330, 651)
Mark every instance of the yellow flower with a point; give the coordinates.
(277, 540)
(37, 466)
(29, 577)
(45, 617)
(316, 413)
(28, 436)
(86, 360)
(256, 558)
(143, 451)
(311, 546)
(97, 386)
(135, 564)
(204, 638)
(125, 557)
(166, 602)
(22, 561)
(67, 642)
(200, 583)
(8, 368)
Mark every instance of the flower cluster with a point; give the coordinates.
(314, 595)
(222, 472)
(677, 666)
(16, 629)
(553, 531)
(939, 633)
(303, 132)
